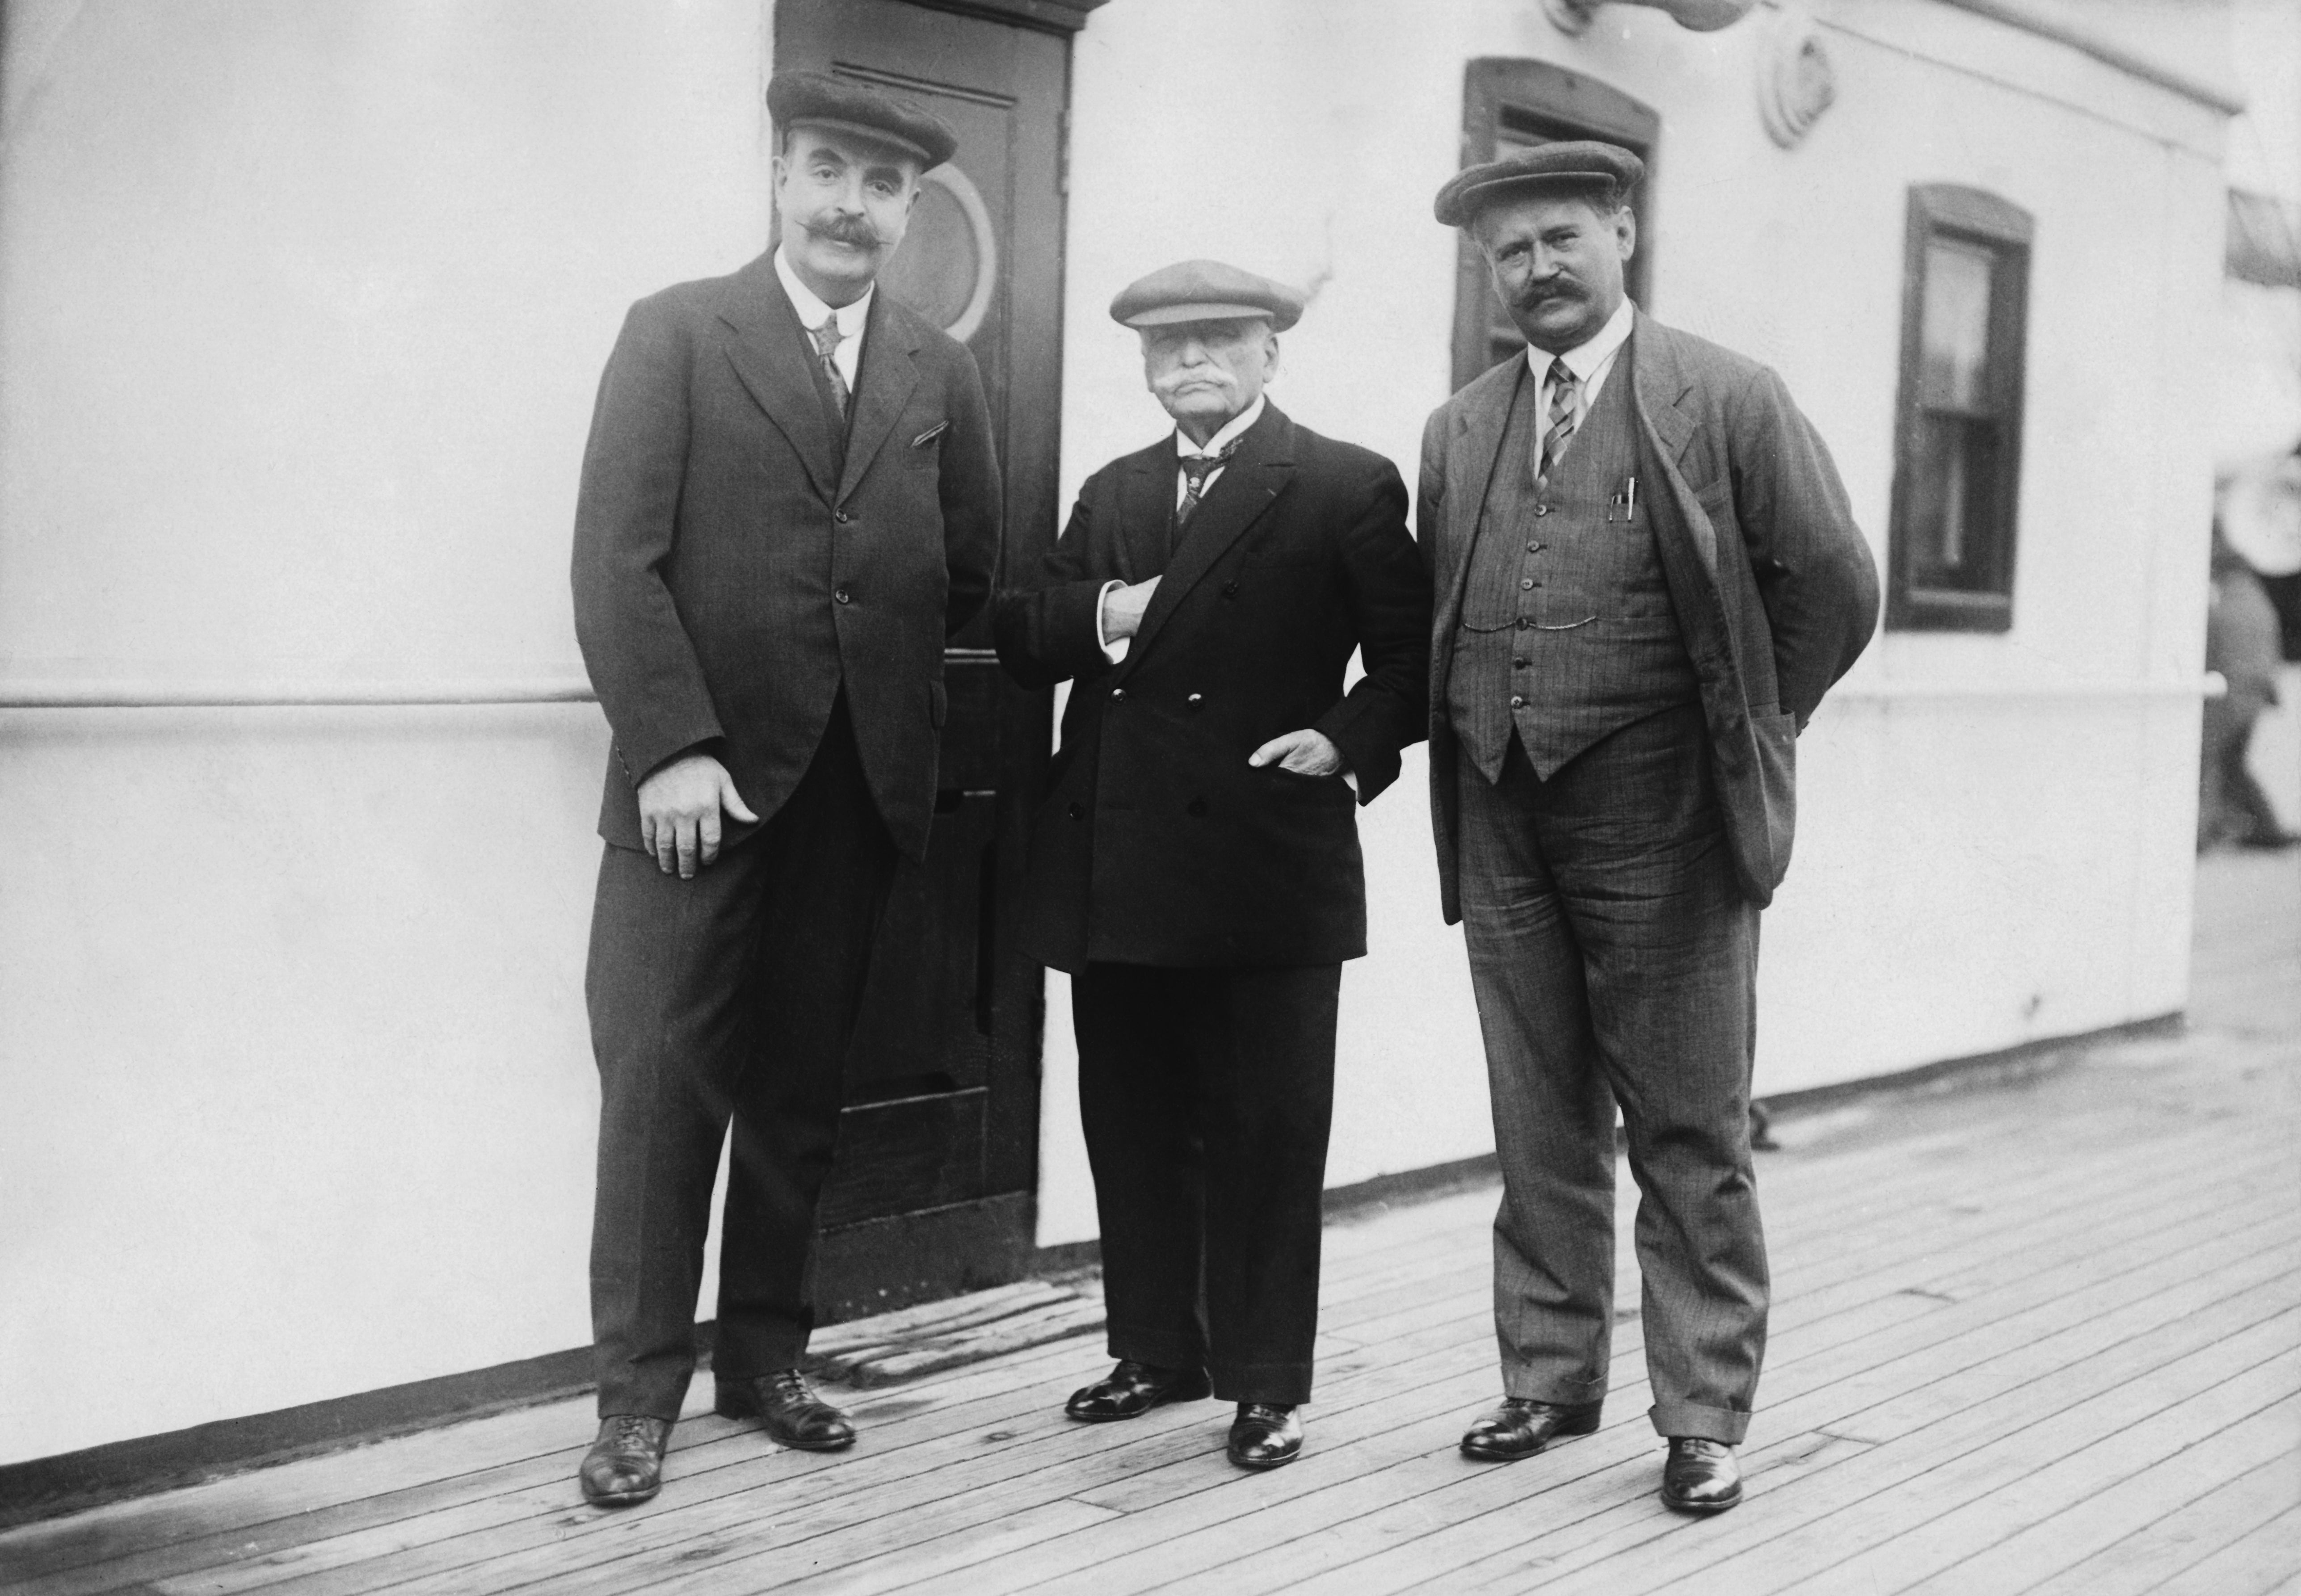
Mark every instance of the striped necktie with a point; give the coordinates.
(827, 338)
(1564, 390)
(1196, 470)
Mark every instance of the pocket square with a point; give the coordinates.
(930, 435)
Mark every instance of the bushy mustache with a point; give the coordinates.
(1557, 287)
(852, 231)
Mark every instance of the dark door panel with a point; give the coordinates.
(932, 1191)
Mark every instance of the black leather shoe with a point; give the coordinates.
(1522, 1427)
(625, 1463)
(1701, 1476)
(791, 1413)
(1133, 1388)
(1265, 1435)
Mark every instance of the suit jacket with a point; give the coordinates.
(729, 580)
(1157, 843)
(1773, 585)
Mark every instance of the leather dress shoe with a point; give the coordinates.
(1522, 1427)
(1702, 1475)
(1133, 1388)
(1265, 1435)
(790, 1412)
(625, 1463)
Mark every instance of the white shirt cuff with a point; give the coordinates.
(1114, 650)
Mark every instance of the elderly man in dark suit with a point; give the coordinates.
(1195, 862)
(1646, 575)
(789, 499)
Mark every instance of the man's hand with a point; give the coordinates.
(1306, 753)
(679, 812)
(1123, 607)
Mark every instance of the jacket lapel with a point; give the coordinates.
(1480, 421)
(770, 354)
(1249, 485)
(884, 387)
(1658, 392)
(1146, 507)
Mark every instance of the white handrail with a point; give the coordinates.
(148, 694)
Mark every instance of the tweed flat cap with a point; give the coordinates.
(825, 101)
(1205, 291)
(1572, 164)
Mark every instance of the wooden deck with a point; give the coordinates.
(2040, 1336)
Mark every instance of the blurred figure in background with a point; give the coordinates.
(2242, 643)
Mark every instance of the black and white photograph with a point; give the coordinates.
(1105, 797)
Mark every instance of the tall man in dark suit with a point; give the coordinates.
(1646, 575)
(789, 499)
(1195, 863)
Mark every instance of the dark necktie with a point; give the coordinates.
(1196, 470)
(827, 338)
(1563, 387)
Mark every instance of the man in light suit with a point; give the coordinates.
(789, 499)
(1645, 576)
(1195, 862)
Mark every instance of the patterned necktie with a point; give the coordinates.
(1196, 470)
(827, 339)
(1563, 389)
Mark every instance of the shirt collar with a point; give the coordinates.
(1585, 358)
(1234, 428)
(811, 309)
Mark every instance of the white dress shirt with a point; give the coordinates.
(1114, 650)
(848, 356)
(1590, 363)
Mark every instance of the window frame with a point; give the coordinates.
(1956, 213)
(1541, 100)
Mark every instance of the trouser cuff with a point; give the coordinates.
(1282, 1384)
(1164, 1348)
(1536, 1385)
(1707, 1423)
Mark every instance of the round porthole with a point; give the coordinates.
(947, 266)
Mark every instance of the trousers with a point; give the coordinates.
(1206, 1096)
(1614, 960)
(728, 999)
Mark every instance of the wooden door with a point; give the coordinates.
(933, 1189)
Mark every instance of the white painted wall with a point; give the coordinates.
(1994, 832)
(301, 312)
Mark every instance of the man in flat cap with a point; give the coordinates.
(1646, 575)
(789, 499)
(1194, 864)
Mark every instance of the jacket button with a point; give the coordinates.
(1516, 702)
(1078, 811)
(1118, 694)
(1519, 664)
(1196, 700)
(1197, 806)
(841, 517)
(1542, 509)
(1230, 589)
(842, 595)
(1524, 582)
(1534, 548)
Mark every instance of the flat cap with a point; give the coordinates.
(1574, 164)
(1205, 291)
(825, 101)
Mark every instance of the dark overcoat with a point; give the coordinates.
(1773, 584)
(1156, 842)
(730, 574)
